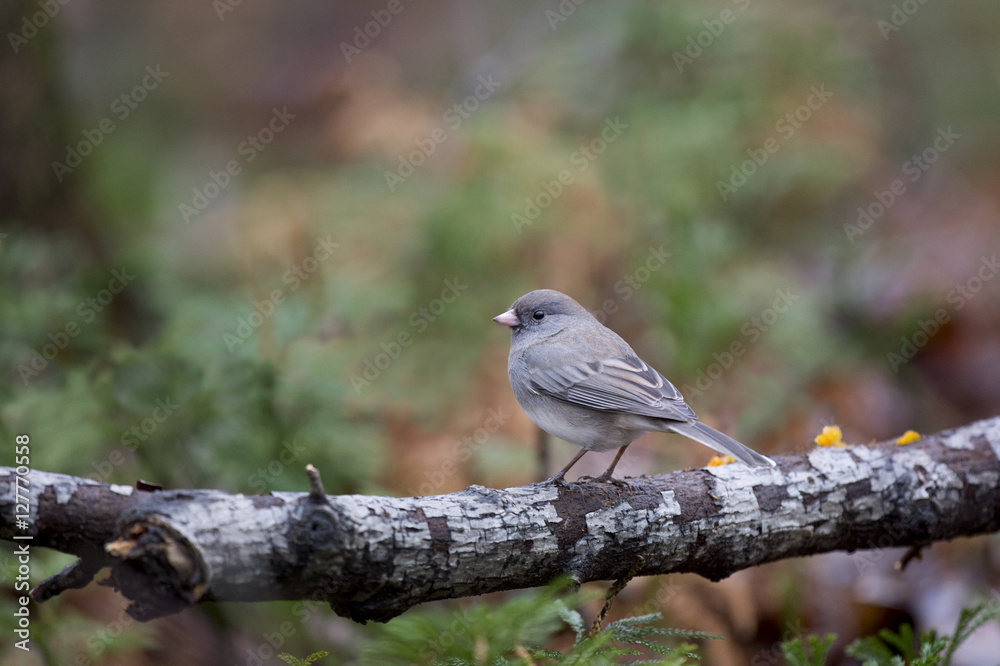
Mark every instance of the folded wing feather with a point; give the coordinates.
(614, 385)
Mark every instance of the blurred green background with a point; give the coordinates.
(239, 238)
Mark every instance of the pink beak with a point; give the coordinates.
(508, 318)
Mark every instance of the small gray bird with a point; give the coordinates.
(578, 380)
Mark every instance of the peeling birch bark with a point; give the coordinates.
(373, 558)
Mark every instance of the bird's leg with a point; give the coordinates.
(558, 478)
(607, 475)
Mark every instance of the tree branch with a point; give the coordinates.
(372, 558)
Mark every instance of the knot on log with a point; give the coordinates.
(160, 569)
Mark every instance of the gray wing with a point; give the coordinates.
(613, 385)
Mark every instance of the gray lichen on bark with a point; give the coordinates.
(375, 557)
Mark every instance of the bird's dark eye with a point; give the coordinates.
(538, 315)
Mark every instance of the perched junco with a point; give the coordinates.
(578, 380)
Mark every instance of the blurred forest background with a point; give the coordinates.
(240, 237)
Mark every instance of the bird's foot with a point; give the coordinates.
(607, 478)
(556, 480)
(559, 480)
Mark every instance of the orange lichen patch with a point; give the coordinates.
(831, 436)
(718, 461)
(907, 437)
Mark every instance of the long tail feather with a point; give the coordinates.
(722, 443)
